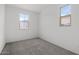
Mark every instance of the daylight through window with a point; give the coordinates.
(65, 16)
(23, 21)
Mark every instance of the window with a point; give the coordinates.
(65, 16)
(23, 21)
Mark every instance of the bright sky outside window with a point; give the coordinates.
(66, 10)
(23, 21)
(65, 15)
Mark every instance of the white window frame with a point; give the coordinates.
(69, 15)
(24, 20)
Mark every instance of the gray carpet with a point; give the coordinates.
(34, 47)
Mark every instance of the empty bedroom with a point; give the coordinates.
(39, 29)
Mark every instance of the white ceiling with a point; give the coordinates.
(32, 7)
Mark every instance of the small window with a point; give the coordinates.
(23, 21)
(65, 16)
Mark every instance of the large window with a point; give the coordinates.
(65, 15)
(23, 21)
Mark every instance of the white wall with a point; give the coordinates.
(66, 37)
(13, 33)
(2, 17)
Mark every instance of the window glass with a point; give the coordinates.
(23, 21)
(66, 10)
(65, 16)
